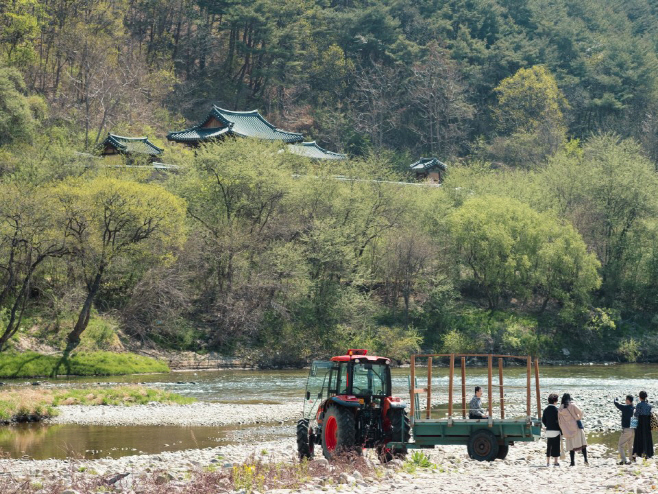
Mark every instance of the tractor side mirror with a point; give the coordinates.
(308, 395)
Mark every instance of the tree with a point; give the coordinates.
(530, 111)
(31, 231)
(110, 221)
(440, 97)
(16, 120)
(514, 251)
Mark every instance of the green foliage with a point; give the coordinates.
(629, 350)
(513, 251)
(17, 123)
(30, 404)
(31, 364)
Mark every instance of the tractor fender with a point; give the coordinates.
(391, 402)
(346, 401)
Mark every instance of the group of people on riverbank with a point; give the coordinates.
(566, 421)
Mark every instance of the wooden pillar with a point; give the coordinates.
(412, 387)
(500, 385)
(450, 384)
(490, 390)
(537, 388)
(428, 414)
(528, 385)
(463, 387)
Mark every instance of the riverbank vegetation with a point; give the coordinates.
(542, 239)
(31, 404)
(32, 364)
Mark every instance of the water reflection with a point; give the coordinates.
(40, 441)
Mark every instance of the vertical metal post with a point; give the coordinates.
(412, 387)
(537, 388)
(500, 385)
(463, 387)
(490, 390)
(450, 384)
(528, 385)
(428, 414)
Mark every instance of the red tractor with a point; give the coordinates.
(348, 407)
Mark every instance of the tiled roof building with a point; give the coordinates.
(221, 122)
(429, 169)
(313, 151)
(120, 145)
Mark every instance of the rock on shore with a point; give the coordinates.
(196, 414)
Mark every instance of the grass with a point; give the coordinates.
(29, 404)
(31, 364)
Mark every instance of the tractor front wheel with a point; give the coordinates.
(483, 445)
(305, 440)
(338, 431)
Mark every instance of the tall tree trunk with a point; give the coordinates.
(83, 319)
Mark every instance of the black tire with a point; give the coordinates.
(305, 440)
(400, 425)
(344, 439)
(502, 451)
(483, 445)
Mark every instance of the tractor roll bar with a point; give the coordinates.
(414, 391)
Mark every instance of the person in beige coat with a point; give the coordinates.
(570, 417)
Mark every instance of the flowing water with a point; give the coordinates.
(585, 382)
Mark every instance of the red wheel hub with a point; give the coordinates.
(330, 433)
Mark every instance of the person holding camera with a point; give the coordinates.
(627, 433)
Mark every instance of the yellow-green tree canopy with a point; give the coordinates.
(513, 251)
(111, 219)
(528, 101)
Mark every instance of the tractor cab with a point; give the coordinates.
(348, 405)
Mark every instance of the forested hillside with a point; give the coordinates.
(543, 237)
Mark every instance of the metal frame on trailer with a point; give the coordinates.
(428, 431)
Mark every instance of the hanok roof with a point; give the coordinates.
(240, 123)
(312, 150)
(428, 164)
(132, 145)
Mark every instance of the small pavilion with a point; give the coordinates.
(131, 147)
(220, 123)
(313, 151)
(429, 169)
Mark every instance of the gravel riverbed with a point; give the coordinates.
(174, 472)
(195, 414)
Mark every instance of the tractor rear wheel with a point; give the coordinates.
(338, 431)
(502, 451)
(483, 445)
(305, 440)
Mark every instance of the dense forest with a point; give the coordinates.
(543, 237)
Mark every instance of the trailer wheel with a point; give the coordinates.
(338, 432)
(400, 425)
(305, 440)
(502, 451)
(483, 445)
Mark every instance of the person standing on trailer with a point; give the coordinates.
(475, 410)
(553, 432)
(627, 434)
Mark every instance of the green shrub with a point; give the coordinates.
(629, 350)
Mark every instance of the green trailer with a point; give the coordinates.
(486, 439)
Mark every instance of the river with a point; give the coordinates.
(594, 385)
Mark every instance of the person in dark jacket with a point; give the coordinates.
(643, 442)
(550, 420)
(627, 434)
